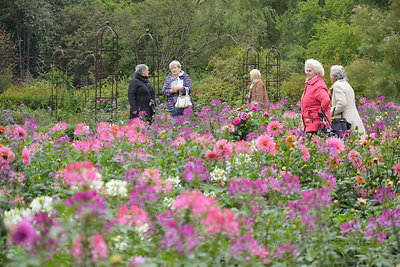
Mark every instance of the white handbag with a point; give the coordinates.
(183, 101)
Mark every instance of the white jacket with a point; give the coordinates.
(343, 101)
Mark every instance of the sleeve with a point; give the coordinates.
(167, 86)
(187, 84)
(132, 96)
(323, 98)
(341, 100)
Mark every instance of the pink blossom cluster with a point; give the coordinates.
(207, 211)
(97, 248)
(15, 133)
(81, 173)
(246, 245)
(132, 216)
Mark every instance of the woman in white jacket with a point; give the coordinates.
(343, 100)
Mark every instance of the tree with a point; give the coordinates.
(76, 31)
(31, 25)
(376, 69)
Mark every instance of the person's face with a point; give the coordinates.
(145, 73)
(310, 72)
(175, 70)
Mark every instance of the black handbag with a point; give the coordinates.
(339, 125)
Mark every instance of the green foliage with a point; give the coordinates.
(223, 79)
(76, 31)
(293, 88)
(377, 66)
(334, 43)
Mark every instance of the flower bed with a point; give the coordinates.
(219, 187)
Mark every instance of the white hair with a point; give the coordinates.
(316, 65)
(175, 63)
(255, 74)
(141, 68)
(338, 73)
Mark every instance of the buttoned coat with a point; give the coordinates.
(343, 101)
(314, 97)
(259, 93)
(140, 93)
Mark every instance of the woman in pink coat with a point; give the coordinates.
(315, 96)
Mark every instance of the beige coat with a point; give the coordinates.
(343, 100)
(259, 93)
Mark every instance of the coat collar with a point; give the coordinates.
(313, 80)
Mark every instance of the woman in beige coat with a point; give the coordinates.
(258, 91)
(343, 100)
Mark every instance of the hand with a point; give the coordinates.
(176, 89)
(150, 103)
(134, 112)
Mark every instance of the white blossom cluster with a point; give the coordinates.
(168, 201)
(175, 181)
(242, 159)
(14, 216)
(218, 175)
(142, 229)
(42, 204)
(117, 188)
(120, 243)
(209, 194)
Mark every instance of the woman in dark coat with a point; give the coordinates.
(141, 94)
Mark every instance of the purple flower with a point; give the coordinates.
(181, 238)
(24, 233)
(142, 194)
(384, 194)
(286, 251)
(195, 171)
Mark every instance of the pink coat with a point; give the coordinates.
(314, 97)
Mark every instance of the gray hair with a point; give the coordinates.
(255, 74)
(316, 65)
(141, 68)
(338, 73)
(175, 63)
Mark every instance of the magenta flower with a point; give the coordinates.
(24, 234)
(195, 171)
(244, 116)
(236, 121)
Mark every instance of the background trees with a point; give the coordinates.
(362, 35)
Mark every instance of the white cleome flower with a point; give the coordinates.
(142, 229)
(175, 181)
(120, 243)
(14, 216)
(42, 204)
(218, 175)
(379, 118)
(117, 188)
(168, 202)
(210, 194)
(242, 159)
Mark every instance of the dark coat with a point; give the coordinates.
(140, 93)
